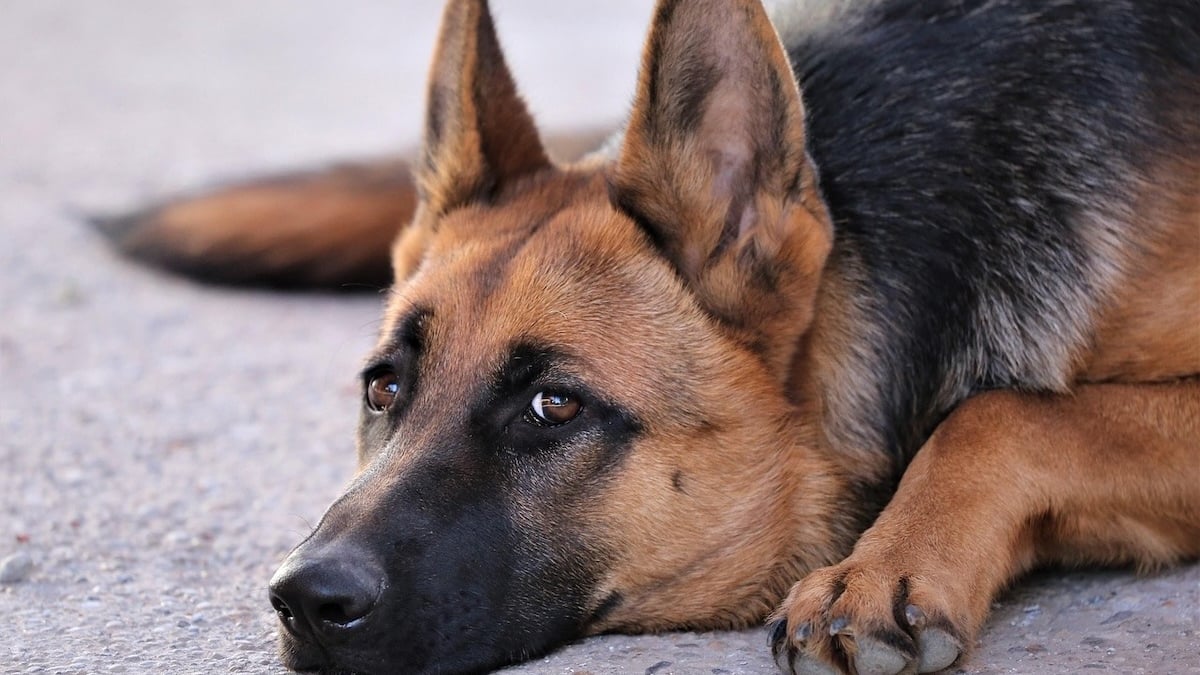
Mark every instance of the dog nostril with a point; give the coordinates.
(281, 607)
(336, 614)
(340, 611)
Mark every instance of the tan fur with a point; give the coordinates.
(687, 182)
(742, 507)
(324, 228)
(1010, 480)
(466, 151)
(1104, 474)
(540, 242)
(1151, 328)
(331, 228)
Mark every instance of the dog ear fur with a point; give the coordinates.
(478, 133)
(714, 167)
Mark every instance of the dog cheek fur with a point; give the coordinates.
(705, 539)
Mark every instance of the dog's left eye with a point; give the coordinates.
(382, 390)
(550, 409)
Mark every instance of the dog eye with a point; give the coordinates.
(550, 409)
(382, 390)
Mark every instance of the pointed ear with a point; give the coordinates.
(478, 133)
(714, 166)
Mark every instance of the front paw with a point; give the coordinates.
(870, 618)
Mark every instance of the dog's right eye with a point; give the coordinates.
(382, 390)
(552, 409)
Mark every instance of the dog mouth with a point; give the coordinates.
(304, 657)
(304, 654)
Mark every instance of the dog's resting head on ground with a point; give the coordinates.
(580, 415)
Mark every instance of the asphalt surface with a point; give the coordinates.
(163, 444)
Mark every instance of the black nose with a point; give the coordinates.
(325, 598)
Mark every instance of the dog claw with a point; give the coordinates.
(914, 616)
(839, 626)
(804, 632)
(785, 658)
(777, 633)
(939, 649)
(876, 658)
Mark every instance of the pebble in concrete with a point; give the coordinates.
(15, 568)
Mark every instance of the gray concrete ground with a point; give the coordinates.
(163, 444)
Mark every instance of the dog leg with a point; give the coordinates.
(1109, 474)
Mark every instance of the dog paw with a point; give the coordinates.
(869, 619)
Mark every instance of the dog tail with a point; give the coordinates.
(327, 228)
(330, 228)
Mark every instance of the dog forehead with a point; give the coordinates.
(563, 254)
(581, 281)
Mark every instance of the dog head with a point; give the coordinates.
(579, 414)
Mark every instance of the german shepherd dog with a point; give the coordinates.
(863, 313)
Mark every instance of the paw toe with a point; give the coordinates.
(807, 665)
(938, 650)
(878, 658)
